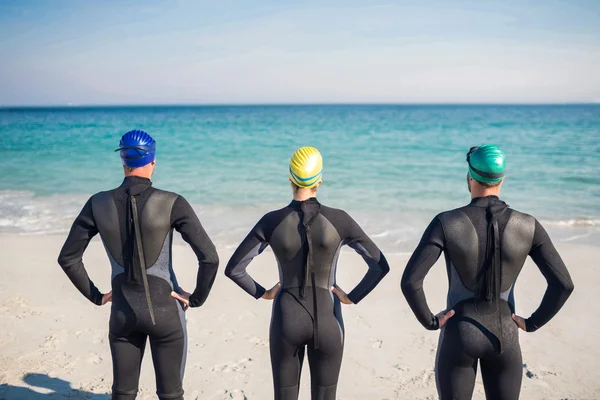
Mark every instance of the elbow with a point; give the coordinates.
(229, 271)
(568, 287)
(563, 287)
(408, 286)
(63, 261)
(384, 266)
(385, 269)
(213, 260)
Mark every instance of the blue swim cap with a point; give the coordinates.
(137, 149)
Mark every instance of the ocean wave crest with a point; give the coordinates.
(24, 213)
(574, 222)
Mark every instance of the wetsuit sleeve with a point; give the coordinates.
(71, 255)
(425, 256)
(186, 222)
(357, 239)
(251, 246)
(554, 270)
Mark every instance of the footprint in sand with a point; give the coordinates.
(361, 321)
(427, 377)
(18, 307)
(94, 359)
(258, 341)
(7, 339)
(235, 394)
(222, 317)
(528, 372)
(234, 366)
(206, 332)
(247, 314)
(401, 368)
(99, 337)
(534, 376)
(51, 341)
(423, 379)
(376, 343)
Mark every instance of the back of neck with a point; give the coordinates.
(304, 194)
(485, 192)
(139, 174)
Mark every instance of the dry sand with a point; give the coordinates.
(53, 342)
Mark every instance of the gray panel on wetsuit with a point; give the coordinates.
(162, 267)
(155, 223)
(116, 269)
(324, 244)
(286, 243)
(457, 292)
(462, 246)
(107, 221)
(516, 244)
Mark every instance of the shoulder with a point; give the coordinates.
(166, 200)
(101, 197)
(341, 221)
(450, 215)
(102, 194)
(521, 215)
(334, 213)
(525, 227)
(275, 216)
(165, 194)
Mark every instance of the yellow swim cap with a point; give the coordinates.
(306, 167)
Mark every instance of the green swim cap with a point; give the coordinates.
(486, 163)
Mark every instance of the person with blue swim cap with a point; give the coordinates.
(136, 223)
(485, 244)
(306, 237)
(137, 149)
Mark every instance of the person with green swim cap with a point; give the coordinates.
(485, 244)
(306, 237)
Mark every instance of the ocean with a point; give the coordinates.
(392, 167)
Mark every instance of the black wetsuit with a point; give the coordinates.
(142, 305)
(485, 244)
(306, 238)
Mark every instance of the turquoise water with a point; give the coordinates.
(392, 167)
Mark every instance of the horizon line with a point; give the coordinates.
(284, 104)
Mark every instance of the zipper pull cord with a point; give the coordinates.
(138, 238)
(498, 281)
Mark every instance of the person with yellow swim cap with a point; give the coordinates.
(306, 238)
(306, 168)
(485, 244)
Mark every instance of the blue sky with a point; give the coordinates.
(173, 52)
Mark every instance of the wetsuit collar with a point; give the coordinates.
(135, 180)
(485, 201)
(296, 205)
(135, 185)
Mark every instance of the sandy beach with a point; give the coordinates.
(53, 342)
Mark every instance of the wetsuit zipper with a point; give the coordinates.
(493, 274)
(314, 290)
(305, 233)
(497, 278)
(142, 260)
(304, 238)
